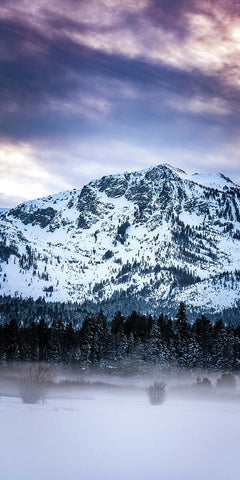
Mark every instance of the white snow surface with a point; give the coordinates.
(103, 436)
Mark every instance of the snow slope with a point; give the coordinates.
(158, 235)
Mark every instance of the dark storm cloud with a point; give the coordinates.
(36, 66)
(60, 69)
(170, 14)
(158, 73)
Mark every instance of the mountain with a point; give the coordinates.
(150, 238)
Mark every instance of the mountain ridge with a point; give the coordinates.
(159, 235)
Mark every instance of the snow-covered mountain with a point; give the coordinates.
(159, 234)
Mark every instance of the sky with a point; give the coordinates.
(94, 87)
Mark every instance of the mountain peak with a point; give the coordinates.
(159, 234)
(119, 184)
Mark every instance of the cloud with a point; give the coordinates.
(22, 177)
(61, 55)
(88, 87)
(28, 173)
(200, 104)
(148, 29)
(181, 34)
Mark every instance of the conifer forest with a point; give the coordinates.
(126, 344)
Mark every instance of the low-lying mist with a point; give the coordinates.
(170, 425)
(57, 382)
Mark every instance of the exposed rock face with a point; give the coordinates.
(42, 216)
(157, 234)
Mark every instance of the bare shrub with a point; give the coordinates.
(156, 393)
(227, 381)
(35, 379)
(203, 383)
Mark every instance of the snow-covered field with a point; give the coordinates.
(105, 435)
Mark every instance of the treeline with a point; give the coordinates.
(130, 343)
(28, 310)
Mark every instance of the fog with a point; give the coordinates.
(92, 426)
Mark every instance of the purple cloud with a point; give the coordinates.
(153, 75)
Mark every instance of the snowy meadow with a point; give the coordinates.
(111, 431)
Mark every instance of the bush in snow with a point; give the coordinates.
(226, 381)
(156, 393)
(203, 383)
(35, 379)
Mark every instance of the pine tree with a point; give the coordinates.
(226, 357)
(203, 333)
(69, 344)
(87, 334)
(43, 340)
(117, 324)
(55, 341)
(182, 331)
(155, 344)
(11, 340)
(194, 356)
(181, 324)
(100, 338)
